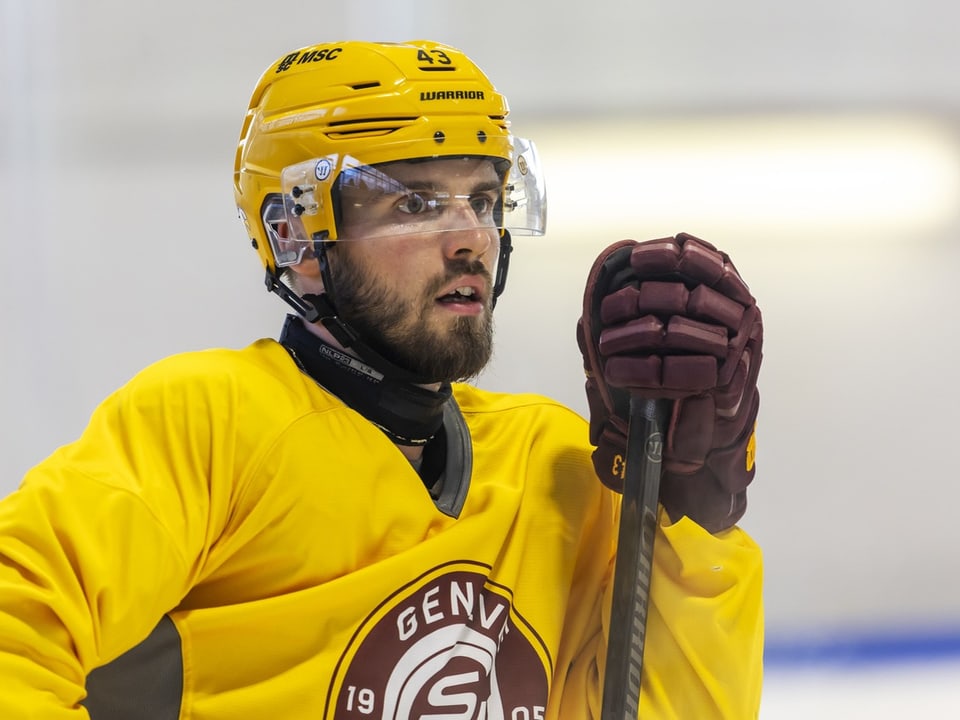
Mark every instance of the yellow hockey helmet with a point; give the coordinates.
(323, 112)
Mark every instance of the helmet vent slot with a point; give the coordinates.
(367, 121)
(371, 127)
(366, 85)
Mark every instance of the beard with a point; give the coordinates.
(397, 328)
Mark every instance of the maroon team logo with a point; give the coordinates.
(450, 646)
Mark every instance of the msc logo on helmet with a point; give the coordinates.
(452, 95)
(308, 56)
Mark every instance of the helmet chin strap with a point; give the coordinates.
(321, 308)
(503, 264)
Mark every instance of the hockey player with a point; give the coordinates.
(332, 524)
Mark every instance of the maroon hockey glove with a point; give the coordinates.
(672, 319)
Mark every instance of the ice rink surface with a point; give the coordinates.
(916, 689)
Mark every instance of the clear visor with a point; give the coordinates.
(342, 198)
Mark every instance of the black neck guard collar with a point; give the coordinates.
(408, 413)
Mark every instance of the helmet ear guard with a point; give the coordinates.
(280, 232)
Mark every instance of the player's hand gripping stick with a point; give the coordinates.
(672, 342)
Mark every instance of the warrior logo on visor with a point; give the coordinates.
(323, 169)
(449, 645)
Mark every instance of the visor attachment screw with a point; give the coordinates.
(308, 204)
(508, 202)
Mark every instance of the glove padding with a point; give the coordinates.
(672, 319)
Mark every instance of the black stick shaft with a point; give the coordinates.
(631, 580)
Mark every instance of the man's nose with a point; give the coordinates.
(466, 234)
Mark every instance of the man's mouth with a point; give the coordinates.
(462, 294)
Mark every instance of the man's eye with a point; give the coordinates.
(481, 204)
(413, 204)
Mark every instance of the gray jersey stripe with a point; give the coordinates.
(145, 682)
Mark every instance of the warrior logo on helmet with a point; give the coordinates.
(449, 645)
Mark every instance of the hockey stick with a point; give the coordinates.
(631, 579)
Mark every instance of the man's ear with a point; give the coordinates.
(307, 271)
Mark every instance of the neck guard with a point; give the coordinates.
(408, 413)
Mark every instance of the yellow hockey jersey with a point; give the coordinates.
(229, 540)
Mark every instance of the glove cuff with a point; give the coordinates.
(715, 495)
(701, 498)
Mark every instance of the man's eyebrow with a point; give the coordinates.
(488, 185)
